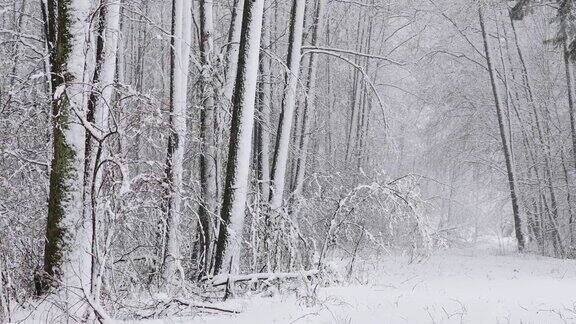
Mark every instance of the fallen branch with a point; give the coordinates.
(224, 279)
(187, 303)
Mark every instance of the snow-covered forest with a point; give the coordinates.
(287, 161)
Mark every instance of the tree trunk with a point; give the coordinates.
(208, 206)
(505, 148)
(310, 99)
(365, 103)
(355, 97)
(571, 238)
(542, 142)
(288, 103)
(237, 173)
(179, 61)
(233, 48)
(97, 113)
(67, 258)
(570, 98)
(265, 107)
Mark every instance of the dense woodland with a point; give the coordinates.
(182, 147)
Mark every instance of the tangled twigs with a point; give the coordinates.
(176, 306)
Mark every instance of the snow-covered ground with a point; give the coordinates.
(486, 284)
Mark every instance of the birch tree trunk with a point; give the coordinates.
(225, 92)
(179, 62)
(208, 206)
(238, 167)
(288, 104)
(505, 148)
(67, 258)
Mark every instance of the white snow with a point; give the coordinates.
(486, 284)
(59, 91)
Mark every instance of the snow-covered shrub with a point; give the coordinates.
(341, 215)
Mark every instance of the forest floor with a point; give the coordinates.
(481, 284)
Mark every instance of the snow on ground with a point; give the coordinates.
(473, 285)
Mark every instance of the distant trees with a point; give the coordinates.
(550, 210)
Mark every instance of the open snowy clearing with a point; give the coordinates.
(455, 286)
